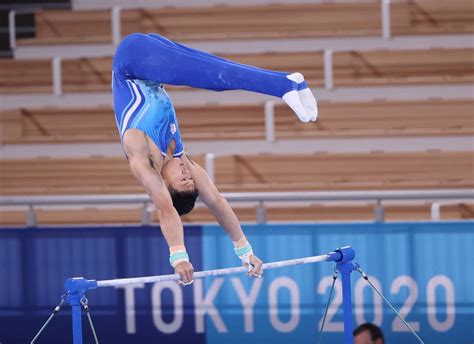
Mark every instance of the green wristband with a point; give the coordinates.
(178, 255)
(243, 250)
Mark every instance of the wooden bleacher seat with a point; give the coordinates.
(87, 74)
(25, 76)
(403, 67)
(71, 27)
(209, 23)
(432, 17)
(433, 117)
(56, 125)
(264, 172)
(261, 21)
(350, 171)
(363, 212)
(351, 69)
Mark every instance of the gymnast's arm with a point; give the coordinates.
(170, 223)
(222, 212)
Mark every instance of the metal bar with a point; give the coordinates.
(12, 29)
(116, 25)
(76, 287)
(386, 25)
(436, 211)
(57, 77)
(379, 212)
(328, 70)
(400, 195)
(261, 213)
(217, 272)
(146, 218)
(12, 23)
(269, 121)
(31, 217)
(209, 165)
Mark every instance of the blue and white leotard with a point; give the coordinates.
(142, 63)
(145, 105)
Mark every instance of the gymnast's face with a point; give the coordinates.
(176, 174)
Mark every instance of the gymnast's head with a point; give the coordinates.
(180, 184)
(368, 334)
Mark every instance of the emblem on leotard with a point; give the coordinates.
(173, 128)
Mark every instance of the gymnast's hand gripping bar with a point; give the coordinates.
(76, 287)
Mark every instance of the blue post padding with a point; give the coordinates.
(342, 254)
(335, 256)
(348, 254)
(81, 284)
(345, 267)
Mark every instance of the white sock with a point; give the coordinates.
(296, 77)
(306, 97)
(294, 102)
(309, 103)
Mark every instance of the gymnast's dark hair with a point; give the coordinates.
(183, 201)
(374, 330)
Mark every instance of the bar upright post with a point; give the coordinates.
(345, 267)
(75, 301)
(76, 290)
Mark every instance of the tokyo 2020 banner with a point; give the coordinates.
(423, 268)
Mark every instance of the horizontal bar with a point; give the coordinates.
(333, 256)
(426, 195)
(386, 26)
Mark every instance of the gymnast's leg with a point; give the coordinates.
(304, 92)
(210, 56)
(152, 57)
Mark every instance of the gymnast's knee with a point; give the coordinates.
(131, 41)
(128, 52)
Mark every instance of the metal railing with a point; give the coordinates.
(27, 8)
(437, 198)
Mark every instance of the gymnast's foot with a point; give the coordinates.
(294, 102)
(304, 105)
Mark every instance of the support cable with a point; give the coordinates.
(334, 278)
(364, 275)
(84, 303)
(55, 311)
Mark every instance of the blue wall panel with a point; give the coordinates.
(432, 256)
(11, 264)
(36, 262)
(429, 262)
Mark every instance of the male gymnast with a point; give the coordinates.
(148, 128)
